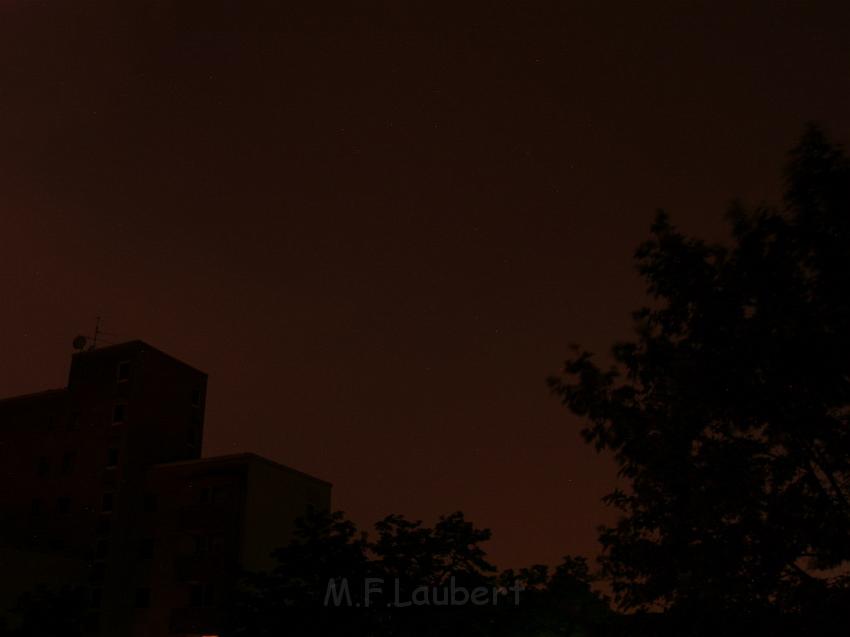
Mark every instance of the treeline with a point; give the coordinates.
(406, 578)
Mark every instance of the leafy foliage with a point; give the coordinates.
(47, 612)
(405, 556)
(558, 602)
(728, 411)
(284, 601)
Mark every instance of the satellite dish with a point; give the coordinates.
(79, 342)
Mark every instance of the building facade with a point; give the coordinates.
(104, 485)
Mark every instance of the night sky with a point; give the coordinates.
(379, 226)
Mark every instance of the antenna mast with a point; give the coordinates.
(96, 333)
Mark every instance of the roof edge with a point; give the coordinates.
(237, 457)
(139, 344)
(35, 394)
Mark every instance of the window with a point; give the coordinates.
(196, 397)
(96, 596)
(146, 548)
(192, 435)
(91, 623)
(149, 503)
(101, 549)
(68, 463)
(73, 421)
(98, 573)
(201, 544)
(212, 495)
(102, 525)
(107, 503)
(196, 595)
(42, 467)
(143, 598)
(201, 595)
(35, 507)
(119, 413)
(63, 504)
(112, 457)
(123, 371)
(217, 544)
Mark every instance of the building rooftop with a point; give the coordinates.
(45, 393)
(136, 345)
(236, 458)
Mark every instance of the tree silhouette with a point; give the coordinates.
(411, 556)
(557, 602)
(406, 555)
(728, 414)
(422, 556)
(48, 612)
(288, 599)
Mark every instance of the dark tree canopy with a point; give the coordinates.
(728, 411)
(58, 611)
(292, 598)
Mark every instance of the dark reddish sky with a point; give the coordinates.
(378, 229)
